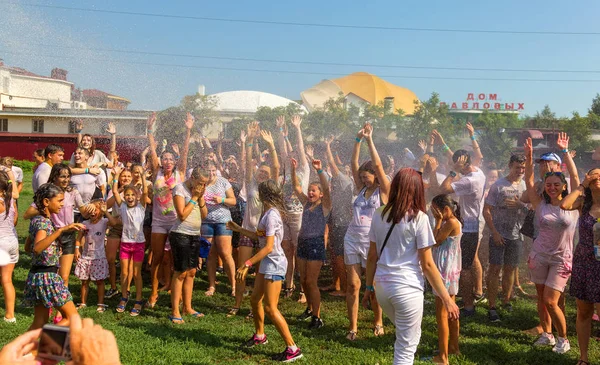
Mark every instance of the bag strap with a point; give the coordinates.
(387, 236)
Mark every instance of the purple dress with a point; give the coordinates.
(586, 269)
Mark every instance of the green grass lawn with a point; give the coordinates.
(215, 339)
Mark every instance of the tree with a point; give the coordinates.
(544, 119)
(495, 143)
(170, 125)
(594, 112)
(578, 129)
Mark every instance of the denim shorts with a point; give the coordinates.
(274, 277)
(215, 230)
(312, 249)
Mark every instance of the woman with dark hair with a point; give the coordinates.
(166, 174)
(97, 158)
(551, 253)
(9, 243)
(586, 266)
(399, 256)
(60, 175)
(373, 188)
(87, 182)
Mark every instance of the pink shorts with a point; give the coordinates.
(550, 271)
(132, 250)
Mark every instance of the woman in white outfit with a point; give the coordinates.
(400, 249)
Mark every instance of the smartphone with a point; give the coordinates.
(55, 343)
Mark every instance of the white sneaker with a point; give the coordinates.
(562, 346)
(546, 339)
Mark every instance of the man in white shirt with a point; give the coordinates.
(54, 154)
(469, 189)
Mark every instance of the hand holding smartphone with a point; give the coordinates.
(55, 343)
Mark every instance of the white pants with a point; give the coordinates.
(406, 312)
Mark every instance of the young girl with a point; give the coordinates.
(311, 240)
(44, 287)
(132, 240)
(446, 254)
(9, 243)
(91, 255)
(273, 266)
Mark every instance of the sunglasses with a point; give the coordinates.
(551, 173)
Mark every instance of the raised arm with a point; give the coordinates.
(477, 157)
(182, 163)
(326, 200)
(266, 136)
(252, 134)
(242, 144)
(384, 183)
(296, 183)
(78, 129)
(296, 122)
(330, 160)
(563, 143)
(439, 139)
(220, 147)
(534, 198)
(112, 130)
(152, 143)
(575, 199)
(115, 186)
(354, 163)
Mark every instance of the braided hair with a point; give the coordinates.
(6, 186)
(45, 191)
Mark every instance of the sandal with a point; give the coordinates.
(151, 304)
(581, 362)
(210, 292)
(233, 312)
(176, 320)
(81, 306)
(302, 298)
(288, 292)
(121, 307)
(10, 320)
(378, 330)
(134, 311)
(351, 336)
(250, 315)
(197, 315)
(101, 308)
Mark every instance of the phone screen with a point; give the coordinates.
(52, 342)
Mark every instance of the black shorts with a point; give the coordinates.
(67, 242)
(184, 249)
(336, 239)
(468, 247)
(312, 249)
(148, 218)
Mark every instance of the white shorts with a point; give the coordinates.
(161, 227)
(291, 228)
(355, 249)
(10, 245)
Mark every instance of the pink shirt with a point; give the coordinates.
(556, 228)
(7, 224)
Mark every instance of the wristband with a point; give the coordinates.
(445, 148)
(202, 206)
(222, 200)
(9, 181)
(87, 170)
(286, 138)
(472, 138)
(249, 145)
(566, 150)
(193, 202)
(452, 174)
(115, 181)
(319, 171)
(77, 246)
(358, 139)
(248, 264)
(370, 288)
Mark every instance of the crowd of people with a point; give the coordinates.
(273, 209)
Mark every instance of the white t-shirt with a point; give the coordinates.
(469, 190)
(133, 223)
(86, 185)
(41, 175)
(399, 261)
(97, 158)
(192, 224)
(253, 207)
(93, 248)
(18, 173)
(275, 262)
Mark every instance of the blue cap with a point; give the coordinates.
(549, 156)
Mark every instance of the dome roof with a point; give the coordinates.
(245, 101)
(364, 85)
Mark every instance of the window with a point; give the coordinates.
(38, 126)
(72, 127)
(3, 125)
(140, 129)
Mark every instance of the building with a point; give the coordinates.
(361, 89)
(37, 110)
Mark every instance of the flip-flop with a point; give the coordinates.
(197, 315)
(173, 319)
(211, 291)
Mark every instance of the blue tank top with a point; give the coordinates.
(313, 222)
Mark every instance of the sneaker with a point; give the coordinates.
(479, 299)
(467, 312)
(220, 270)
(307, 314)
(288, 355)
(562, 346)
(315, 323)
(493, 315)
(254, 340)
(545, 339)
(507, 307)
(111, 293)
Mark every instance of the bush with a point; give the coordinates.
(26, 166)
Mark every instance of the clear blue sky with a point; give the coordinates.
(27, 31)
